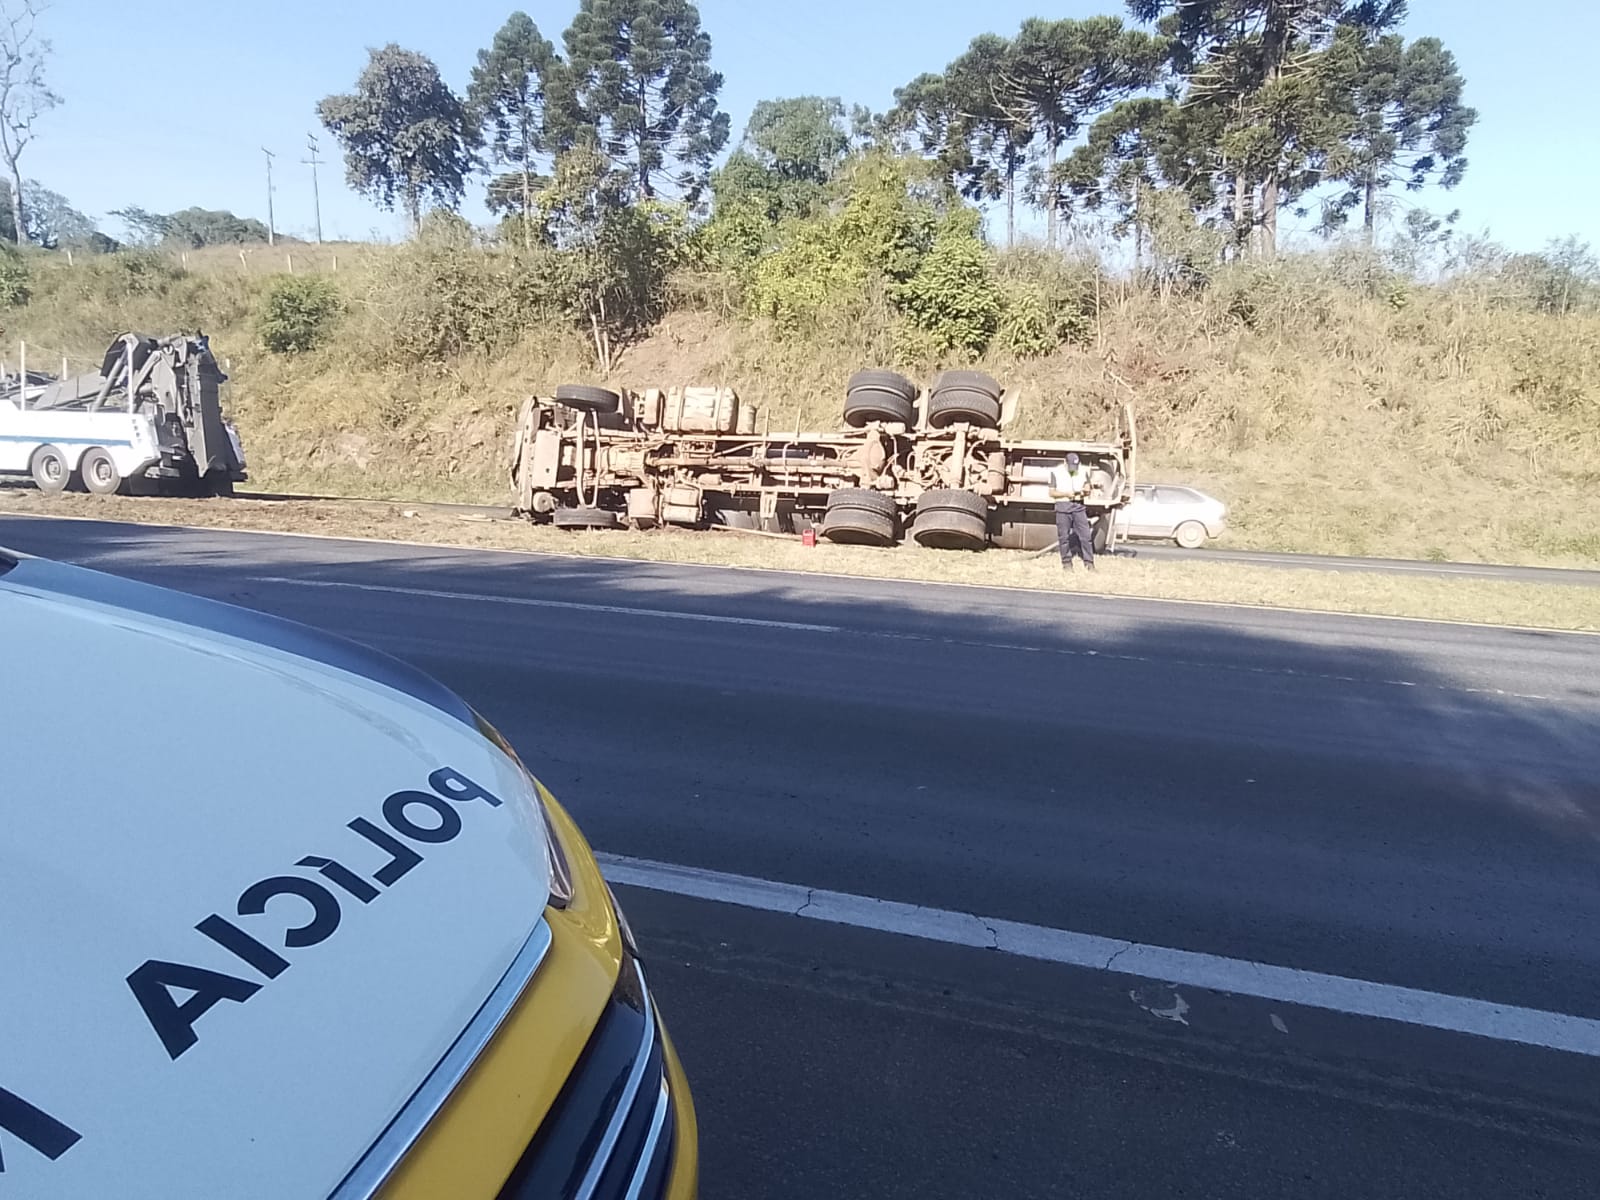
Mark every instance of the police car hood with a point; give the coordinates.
(254, 882)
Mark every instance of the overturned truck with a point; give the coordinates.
(934, 465)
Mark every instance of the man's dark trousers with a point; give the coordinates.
(1072, 526)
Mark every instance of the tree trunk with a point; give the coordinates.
(1050, 198)
(1269, 216)
(1241, 231)
(527, 204)
(644, 136)
(16, 202)
(1372, 208)
(1138, 232)
(1011, 206)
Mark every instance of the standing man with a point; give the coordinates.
(1069, 487)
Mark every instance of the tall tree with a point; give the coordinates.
(24, 95)
(1410, 124)
(507, 99)
(50, 221)
(1071, 71)
(802, 138)
(407, 137)
(976, 120)
(1282, 77)
(642, 75)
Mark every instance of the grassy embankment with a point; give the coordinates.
(1336, 411)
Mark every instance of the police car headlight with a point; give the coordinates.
(560, 868)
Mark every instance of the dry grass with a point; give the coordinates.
(1478, 601)
(1336, 410)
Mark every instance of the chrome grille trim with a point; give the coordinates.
(648, 1154)
(630, 1095)
(385, 1154)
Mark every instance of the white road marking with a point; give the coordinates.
(1241, 977)
(529, 602)
(882, 635)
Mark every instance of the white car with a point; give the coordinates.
(1168, 512)
(282, 917)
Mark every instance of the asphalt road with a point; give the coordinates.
(1399, 802)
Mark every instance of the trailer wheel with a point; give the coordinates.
(971, 381)
(584, 518)
(1191, 535)
(99, 472)
(49, 469)
(954, 404)
(588, 399)
(879, 396)
(951, 519)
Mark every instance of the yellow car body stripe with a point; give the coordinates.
(684, 1181)
(471, 1147)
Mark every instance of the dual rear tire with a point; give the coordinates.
(96, 469)
(951, 519)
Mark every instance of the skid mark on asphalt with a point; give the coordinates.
(1240, 977)
(885, 635)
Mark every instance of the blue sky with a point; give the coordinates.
(168, 103)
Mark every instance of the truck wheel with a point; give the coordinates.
(588, 399)
(859, 517)
(946, 529)
(951, 519)
(971, 381)
(879, 396)
(218, 484)
(583, 518)
(857, 527)
(954, 404)
(49, 470)
(1191, 535)
(99, 472)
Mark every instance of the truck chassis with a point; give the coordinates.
(959, 486)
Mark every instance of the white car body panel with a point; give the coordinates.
(133, 813)
(1147, 516)
(130, 439)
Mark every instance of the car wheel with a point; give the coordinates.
(49, 470)
(1191, 535)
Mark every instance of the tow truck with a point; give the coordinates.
(150, 419)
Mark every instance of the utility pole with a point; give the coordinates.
(272, 228)
(312, 162)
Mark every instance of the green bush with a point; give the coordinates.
(952, 297)
(15, 280)
(298, 313)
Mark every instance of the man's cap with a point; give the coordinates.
(1072, 460)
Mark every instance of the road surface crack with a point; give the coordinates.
(810, 894)
(994, 936)
(1125, 948)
